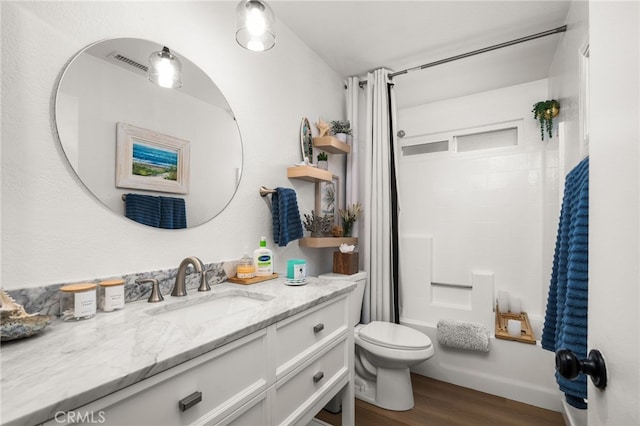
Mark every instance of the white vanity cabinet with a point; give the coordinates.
(282, 374)
(226, 379)
(314, 350)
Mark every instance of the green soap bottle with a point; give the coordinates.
(263, 259)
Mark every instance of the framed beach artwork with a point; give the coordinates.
(328, 198)
(150, 160)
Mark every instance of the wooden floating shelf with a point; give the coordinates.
(323, 242)
(308, 173)
(331, 145)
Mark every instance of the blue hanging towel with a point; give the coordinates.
(159, 212)
(285, 216)
(173, 213)
(565, 323)
(144, 209)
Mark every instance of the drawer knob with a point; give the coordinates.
(318, 328)
(189, 401)
(318, 376)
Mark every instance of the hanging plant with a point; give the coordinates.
(545, 112)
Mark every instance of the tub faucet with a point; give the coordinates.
(179, 288)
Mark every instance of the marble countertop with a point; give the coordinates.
(73, 363)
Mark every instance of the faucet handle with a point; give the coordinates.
(156, 295)
(204, 285)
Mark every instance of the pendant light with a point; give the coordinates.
(165, 69)
(256, 25)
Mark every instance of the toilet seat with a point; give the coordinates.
(394, 336)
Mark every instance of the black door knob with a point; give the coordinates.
(569, 366)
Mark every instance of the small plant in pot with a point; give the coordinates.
(545, 112)
(323, 161)
(349, 216)
(341, 129)
(317, 225)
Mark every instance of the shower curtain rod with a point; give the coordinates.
(476, 52)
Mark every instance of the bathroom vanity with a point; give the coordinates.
(276, 361)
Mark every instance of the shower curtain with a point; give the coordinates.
(378, 239)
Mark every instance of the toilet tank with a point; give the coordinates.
(357, 296)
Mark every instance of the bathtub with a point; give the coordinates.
(517, 371)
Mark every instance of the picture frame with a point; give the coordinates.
(328, 198)
(149, 160)
(306, 141)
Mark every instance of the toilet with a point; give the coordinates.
(384, 354)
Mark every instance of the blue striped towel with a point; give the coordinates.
(144, 209)
(159, 212)
(286, 216)
(565, 324)
(173, 213)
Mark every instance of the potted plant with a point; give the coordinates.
(545, 112)
(349, 216)
(317, 225)
(323, 161)
(341, 129)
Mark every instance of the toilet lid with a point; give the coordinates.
(394, 336)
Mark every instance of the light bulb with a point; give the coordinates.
(256, 24)
(255, 45)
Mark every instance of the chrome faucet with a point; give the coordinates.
(179, 288)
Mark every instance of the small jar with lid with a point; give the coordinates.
(111, 295)
(78, 301)
(246, 268)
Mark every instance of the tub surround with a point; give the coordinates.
(72, 364)
(45, 300)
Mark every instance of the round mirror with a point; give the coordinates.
(165, 157)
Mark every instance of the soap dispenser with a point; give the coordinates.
(263, 259)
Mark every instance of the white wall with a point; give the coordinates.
(485, 209)
(565, 84)
(53, 231)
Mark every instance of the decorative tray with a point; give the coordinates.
(526, 334)
(254, 280)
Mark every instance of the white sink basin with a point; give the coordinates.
(202, 309)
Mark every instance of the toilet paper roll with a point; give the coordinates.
(515, 306)
(514, 328)
(503, 302)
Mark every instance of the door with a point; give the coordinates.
(614, 216)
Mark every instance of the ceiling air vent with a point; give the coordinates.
(127, 63)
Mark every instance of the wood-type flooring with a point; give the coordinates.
(443, 404)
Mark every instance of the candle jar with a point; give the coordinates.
(245, 268)
(111, 295)
(77, 301)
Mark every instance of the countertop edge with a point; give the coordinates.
(75, 401)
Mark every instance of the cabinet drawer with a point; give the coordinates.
(299, 337)
(226, 378)
(299, 390)
(254, 413)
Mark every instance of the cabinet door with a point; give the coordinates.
(226, 379)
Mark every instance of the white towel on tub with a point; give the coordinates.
(463, 335)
